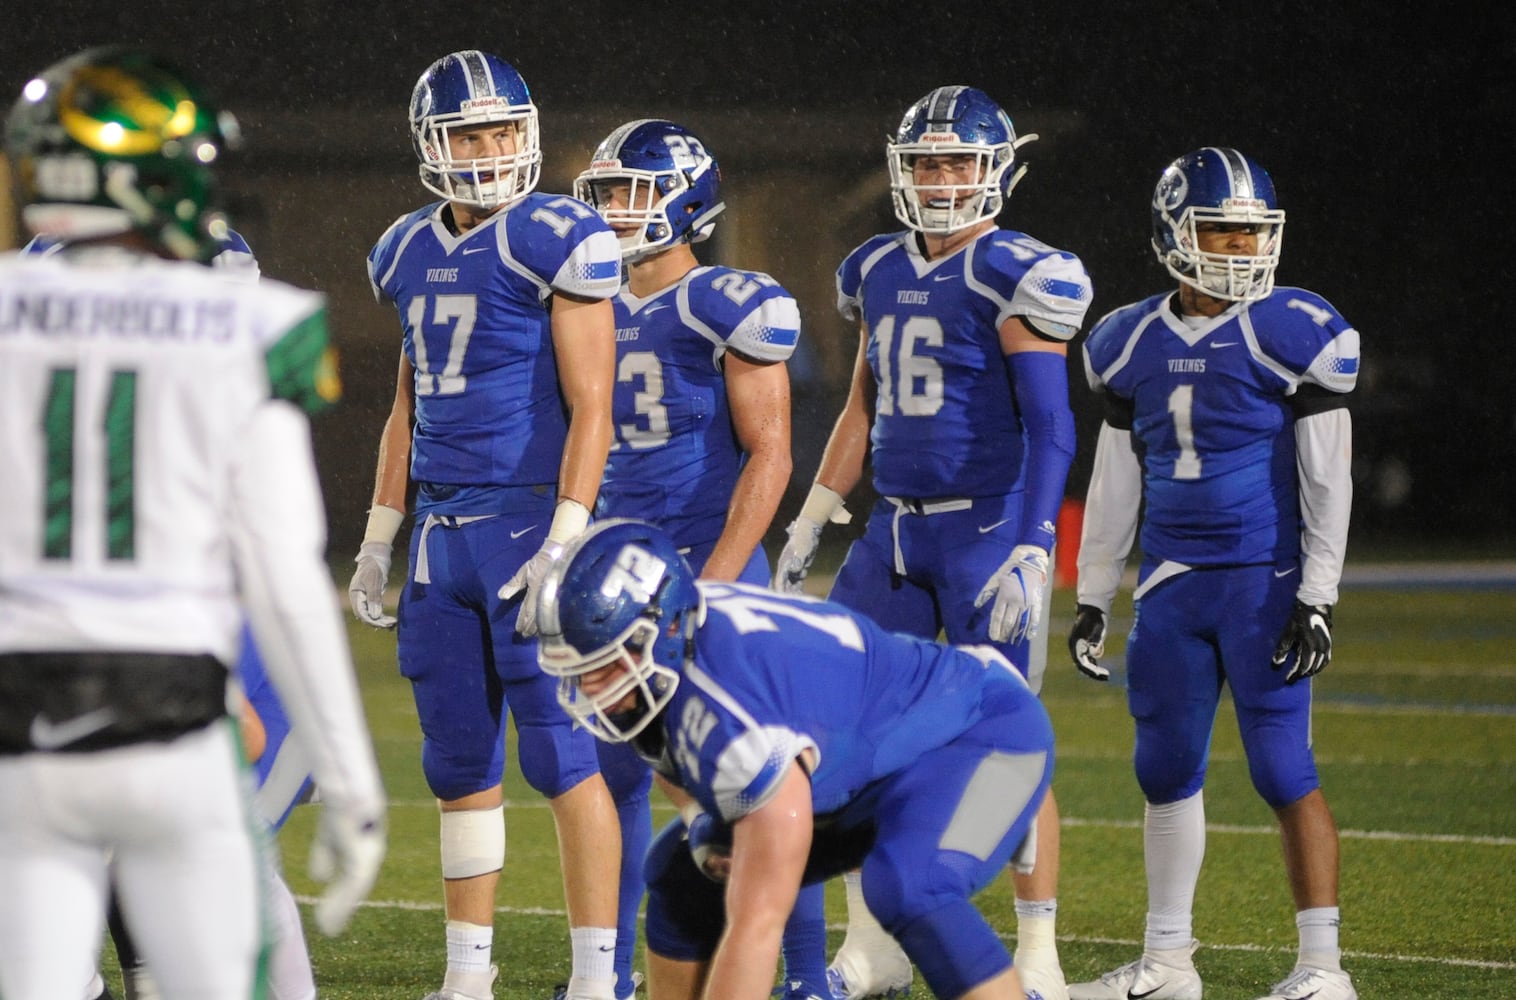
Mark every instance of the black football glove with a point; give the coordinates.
(1087, 641)
(1308, 635)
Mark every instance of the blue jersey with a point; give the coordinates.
(1212, 421)
(488, 408)
(945, 424)
(675, 458)
(775, 675)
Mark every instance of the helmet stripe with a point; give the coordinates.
(1237, 170)
(944, 104)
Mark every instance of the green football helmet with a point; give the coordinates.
(113, 140)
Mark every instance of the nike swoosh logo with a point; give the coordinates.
(1132, 995)
(518, 534)
(944, 277)
(49, 735)
(1225, 343)
(469, 250)
(654, 308)
(1280, 574)
(986, 529)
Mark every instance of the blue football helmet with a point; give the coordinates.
(465, 90)
(672, 183)
(621, 592)
(1217, 185)
(954, 121)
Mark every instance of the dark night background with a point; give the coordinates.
(1388, 132)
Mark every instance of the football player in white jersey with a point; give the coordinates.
(702, 420)
(960, 399)
(1227, 423)
(171, 491)
(501, 421)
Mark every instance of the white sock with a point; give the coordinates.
(1173, 843)
(1036, 921)
(1318, 937)
(862, 927)
(594, 961)
(468, 947)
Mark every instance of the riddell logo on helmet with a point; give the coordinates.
(484, 103)
(606, 165)
(1241, 205)
(939, 137)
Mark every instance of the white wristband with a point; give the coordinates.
(689, 812)
(823, 504)
(383, 523)
(569, 521)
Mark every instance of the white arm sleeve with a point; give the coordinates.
(278, 530)
(1110, 518)
(1323, 461)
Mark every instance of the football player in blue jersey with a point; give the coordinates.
(702, 424)
(960, 393)
(501, 422)
(1226, 414)
(804, 740)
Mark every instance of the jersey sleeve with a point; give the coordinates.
(746, 311)
(1307, 340)
(565, 245)
(850, 276)
(1048, 289)
(385, 253)
(297, 353)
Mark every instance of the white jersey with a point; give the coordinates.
(129, 385)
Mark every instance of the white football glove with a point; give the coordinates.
(1087, 642)
(822, 504)
(710, 845)
(570, 519)
(346, 854)
(795, 561)
(528, 579)
(366, 591)
(1017, 589)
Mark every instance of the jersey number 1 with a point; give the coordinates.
(119, 427)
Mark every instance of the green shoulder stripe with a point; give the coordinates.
(302, 366)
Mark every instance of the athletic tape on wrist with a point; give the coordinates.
(383, 524)
(570, 518)
(823, 504)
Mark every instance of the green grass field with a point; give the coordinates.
(1415, 727)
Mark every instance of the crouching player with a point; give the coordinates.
(808, 741)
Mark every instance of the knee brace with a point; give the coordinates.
(954, 948)
(473, 842)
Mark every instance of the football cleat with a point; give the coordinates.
(1041, 980)
(452, 993)
(857, 973)
(1307, 983)
(798, 989)
(1157, 975)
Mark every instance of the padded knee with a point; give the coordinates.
(1167, 769)
(954, 948)
(686, 912)
(1283, 769)
(555, 758)
(473, 842)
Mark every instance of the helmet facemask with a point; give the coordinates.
(641, 220)
(652, 683)
(942, 209)
(487, 182)
(1234, 277)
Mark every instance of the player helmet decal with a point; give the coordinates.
(620, 593)
(673, 186)
(115, 140)
(464, 90)
(954, 121)
(1217, 185)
